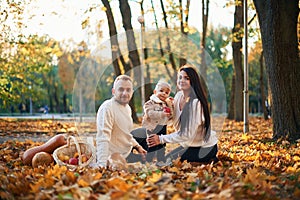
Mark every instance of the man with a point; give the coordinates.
(114, 124)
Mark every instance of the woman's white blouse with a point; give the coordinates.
(193, 136)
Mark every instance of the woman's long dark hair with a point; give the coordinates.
(196, 92)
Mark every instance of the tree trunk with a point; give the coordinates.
(131, 44)
(65, 109)
(231, 109)
(262, 86)
(161, 50)
(203, 69)
(148, 88)
(168, 48)
(114, 43)
(132, 48)
(183, 24)
(237, 61)
(278, 25)
(57, 105)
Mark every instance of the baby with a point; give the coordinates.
(157, 112)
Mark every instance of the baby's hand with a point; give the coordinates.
(167, 111)
(170, 102)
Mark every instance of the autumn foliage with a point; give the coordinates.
(251, 166)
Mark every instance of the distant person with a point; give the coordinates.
(22, 108)
(46, 109)
(12, 110)
(268, 108)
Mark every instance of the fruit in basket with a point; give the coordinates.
(76, 155)
(84, 158)
(42, 158)
(73, 161)
(64, 158)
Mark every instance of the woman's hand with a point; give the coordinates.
(153, 140)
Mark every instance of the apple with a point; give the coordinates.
(167, 109)
(73, 161)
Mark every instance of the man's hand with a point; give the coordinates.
(141, 151)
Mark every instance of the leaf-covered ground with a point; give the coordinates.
(251, 166)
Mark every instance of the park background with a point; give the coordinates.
(46, 44)
(53, 39)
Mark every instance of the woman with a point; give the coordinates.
(191, 121)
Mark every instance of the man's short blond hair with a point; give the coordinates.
(122, 77)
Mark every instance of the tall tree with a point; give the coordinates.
(131, 44)
(168, 48)
(23, 67)
(237, 60)
(132, 48)
(161, 50)
(262, 86)
(231, 107)
(278, 24)
(148, 88)
(205, 10)
(183, 24)
(117, 57)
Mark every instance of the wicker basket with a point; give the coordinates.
(71, 148)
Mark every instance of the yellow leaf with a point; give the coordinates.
(176, 196)
(118, 183)
(296, 158)
(191, 179)
(35, 188)
(70, 59)
(48, 49)
(155, 177)
(271, 178)
(71, 176)
(85, 23)
(97, 176)
(245, 137)
(82, 183)
(174, 169)
(290, 169)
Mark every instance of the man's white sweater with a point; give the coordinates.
(114, 124)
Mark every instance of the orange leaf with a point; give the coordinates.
(155, 177)
(82, 183)
(97, 176)
(118, 183)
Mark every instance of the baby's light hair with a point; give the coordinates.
(161, 84)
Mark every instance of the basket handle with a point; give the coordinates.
(77, 147)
